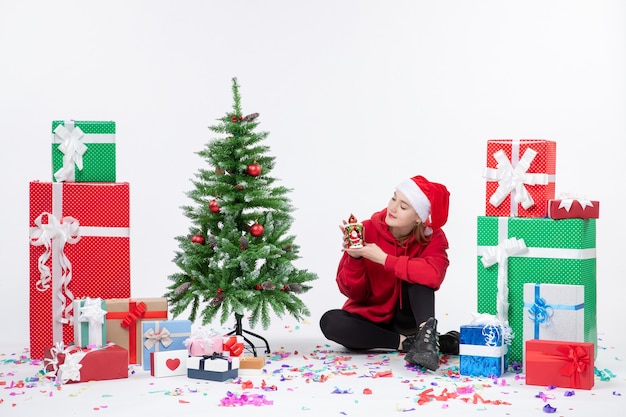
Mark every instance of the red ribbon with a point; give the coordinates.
(129, 320)
(233, 346)
(577, 360)
(135, 313)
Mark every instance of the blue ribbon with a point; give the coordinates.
(541, 312)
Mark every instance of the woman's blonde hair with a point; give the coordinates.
(420, 234)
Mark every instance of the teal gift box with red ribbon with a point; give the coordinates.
(554, 312)
(559, 363)
(79, 247)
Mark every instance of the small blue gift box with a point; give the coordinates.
(482, 350)
(164, 335)
(215, 367)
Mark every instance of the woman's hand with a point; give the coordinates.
(369, 251)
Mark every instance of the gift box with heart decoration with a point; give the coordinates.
(163, 336)
(168, 363)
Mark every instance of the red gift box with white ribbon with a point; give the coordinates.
(573, 207)
(520, 176)
(79, 247)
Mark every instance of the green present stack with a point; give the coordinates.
(557, 252)
(524, 248)
(83, 151)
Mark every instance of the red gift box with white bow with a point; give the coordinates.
(520, 177)
(559, 363)
(572, 207)
(79, 247)
(70, 364)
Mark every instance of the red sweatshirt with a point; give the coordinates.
(373, 289)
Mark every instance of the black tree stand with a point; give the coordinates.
(239, 331)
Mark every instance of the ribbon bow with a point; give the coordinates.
(58, 233)
(494, 329)
(500, 254)
(91, 312)
(135, 314)
(73, 149)
(577, 360)
(152, 338)
(69, 370)
(540, 312)
(514, 179)
(568, 199)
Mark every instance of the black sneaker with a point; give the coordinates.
(449, 343)
(425, 349)
(407, 344)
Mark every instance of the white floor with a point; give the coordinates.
(305, 375)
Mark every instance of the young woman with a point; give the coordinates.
(390, 282)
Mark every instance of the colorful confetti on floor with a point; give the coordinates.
(313, 377)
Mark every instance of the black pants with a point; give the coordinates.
(356, 332)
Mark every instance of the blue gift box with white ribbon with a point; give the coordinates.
(554, 312)
(482, 350)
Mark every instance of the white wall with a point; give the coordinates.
(356, 95)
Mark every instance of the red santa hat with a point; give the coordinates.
(429, 199)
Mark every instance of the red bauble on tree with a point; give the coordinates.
(256, 230)
(254, 169)
(214, 206)
(198, 239)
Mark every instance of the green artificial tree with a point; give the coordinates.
(238, 257)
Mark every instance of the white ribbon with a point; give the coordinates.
(494, 329)
(512, 179)
(568, 199)
(483, 351)
(53, 235)
(73, 149)
(69, 370)
(91, 312)
(500, 254)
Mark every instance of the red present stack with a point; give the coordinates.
(79, 244)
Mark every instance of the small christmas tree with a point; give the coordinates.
(238, 255)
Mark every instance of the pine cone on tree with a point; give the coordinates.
(218, 299)
(250, 117)
(243, 243)
(268, 286)
(182, 288)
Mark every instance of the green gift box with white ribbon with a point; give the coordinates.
(514, 251)
(83, 151)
